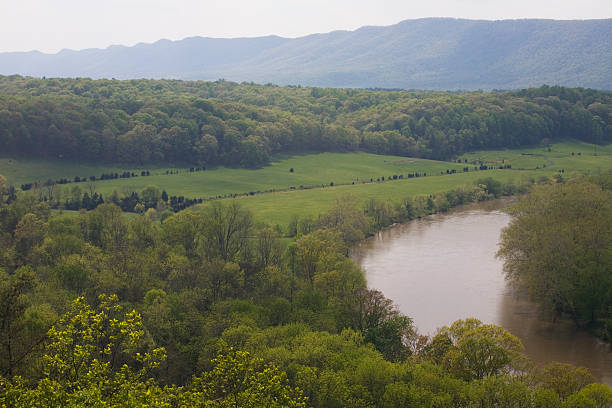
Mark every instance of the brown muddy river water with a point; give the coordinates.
(443, 268)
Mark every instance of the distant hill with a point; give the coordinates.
(433, 53)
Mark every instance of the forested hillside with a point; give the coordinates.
(432, 53)
(209, 123)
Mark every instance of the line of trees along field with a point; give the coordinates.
(155, 121)
(208, 308)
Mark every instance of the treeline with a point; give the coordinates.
(202, 123)
(558, 248)
(78, 179)
(212, 309)
(76, 198)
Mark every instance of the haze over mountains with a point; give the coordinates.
(433, 53)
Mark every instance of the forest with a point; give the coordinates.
(210, 308)
(244, 125)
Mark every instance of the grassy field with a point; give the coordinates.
(281, 207)
(309, 170)
(319, 170)
(585, 157)
(26, 170)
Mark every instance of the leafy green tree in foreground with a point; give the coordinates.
(238, 379)
(102, 358)
(94, 358)
(591, 396)
(471, 350)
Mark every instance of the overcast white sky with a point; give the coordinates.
(50, 25)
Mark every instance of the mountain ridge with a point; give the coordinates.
(431, 53)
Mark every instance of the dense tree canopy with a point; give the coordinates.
(146, 121)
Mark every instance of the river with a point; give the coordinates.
(442, 268)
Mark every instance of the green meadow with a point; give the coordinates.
(585, 157)
(307, 191)
(20, 170)
(281, 207)
(311, 170)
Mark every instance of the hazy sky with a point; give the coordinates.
(50, 25)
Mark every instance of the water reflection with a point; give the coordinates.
(443, 268)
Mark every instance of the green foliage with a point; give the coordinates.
(23, 324)
(238, 379)
(563, 379)
(347, 217)
(591, 396)
(92, 359)
(500, 392)
(314, 248)
(558, 249)
(227, 229)
(90, 346)
(391, 336)
(472, 351)
(382, 324)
